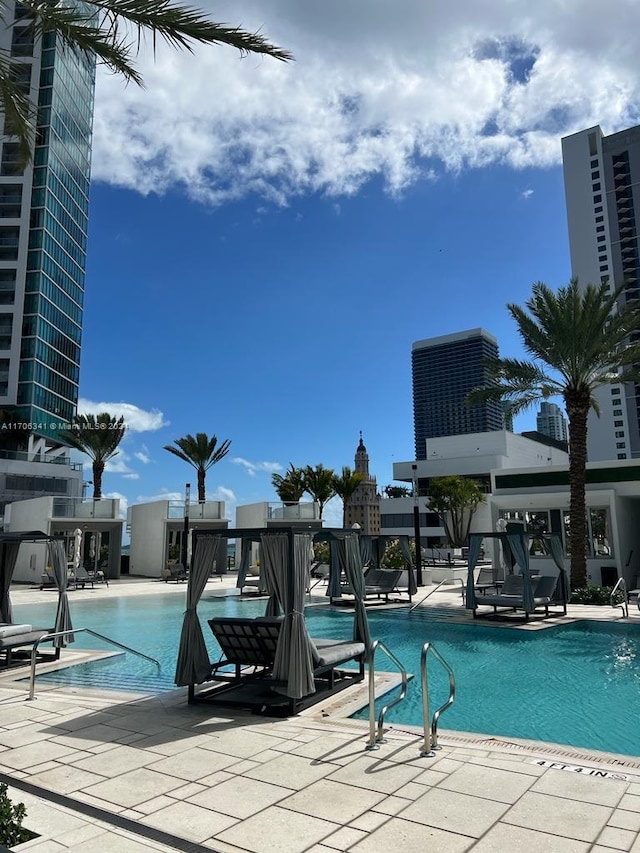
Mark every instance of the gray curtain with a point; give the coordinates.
(355, 577)
(193, 665)
(245, 557)
(294, 654)
(562, 589)
(518, 545)
(58, 560)
(9, 555)
(406, 553)
(273, 566)
(336, 566)
(366, 549)
(475, 544)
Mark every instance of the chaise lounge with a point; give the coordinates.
(511, 596)
(378, 582)
(249, 646)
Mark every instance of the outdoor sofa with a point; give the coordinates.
(16, 639)
(511, 595)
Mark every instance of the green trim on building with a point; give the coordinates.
(538, 479)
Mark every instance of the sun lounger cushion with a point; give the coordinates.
(7, 630)
(334, 652)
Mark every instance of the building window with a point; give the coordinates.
(600, 239)
(596, 186)
(597, 209)
(602, 257)
(594, 176)
(599, 218)
(599, 228)
(617, 413)
(620, 434)
(617, 402)
(594, 164)
(597, 199)
(12, 160)
(615, 391)
(622, 455)
(620, 445)
(618, 423)
(604, 268)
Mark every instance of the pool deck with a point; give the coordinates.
(124, 773)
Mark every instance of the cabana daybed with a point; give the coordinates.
(302, 670)
(520, 593)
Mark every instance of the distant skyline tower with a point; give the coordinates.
(602, 189)
(551, 422)
(363, 507)
(44, 209)
(444, 370)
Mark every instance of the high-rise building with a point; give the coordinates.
(551, 422)
(602, 187)
(43, 230)
(363, 507)
(44, 203)
(445, 370)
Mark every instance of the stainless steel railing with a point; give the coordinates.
(624, 604)
(430, 726)
(51, 636)
(376, 739)
(436, 588)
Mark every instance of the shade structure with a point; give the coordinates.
(9, 547)
(285, 563)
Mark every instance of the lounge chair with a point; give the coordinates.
(249, 645)
(511, 594)
(15, 639)
(176, 572)
(378, 582)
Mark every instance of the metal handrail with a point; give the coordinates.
(624, 605)
(436, 588)
(431, 726)
(46, 637)
(375, 740)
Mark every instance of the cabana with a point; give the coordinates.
(529, 595)
(286, 556)
(372, 549)
(9, 547)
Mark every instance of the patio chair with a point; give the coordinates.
(176, 572)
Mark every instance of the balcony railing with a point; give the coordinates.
(24, 456)
(208, 511)
(301, 511)
(77, 508)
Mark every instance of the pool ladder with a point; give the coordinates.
(52, 635)
(429, 724)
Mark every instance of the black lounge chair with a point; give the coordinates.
(16, 642)
(378, 582)
(249, 645)
(511, 595)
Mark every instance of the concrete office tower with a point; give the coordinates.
(602, 187)
(363, 507)
(444, 370)
(550, 421)
(43, 231)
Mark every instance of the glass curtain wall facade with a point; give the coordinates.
(44, 213)
(444, 371)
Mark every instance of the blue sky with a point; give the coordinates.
(267, 241)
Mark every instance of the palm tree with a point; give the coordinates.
(579, 339)
(318, 482)
(344, 486)
(201, 452)
(290, 487)
(101, 29)
(98, 436)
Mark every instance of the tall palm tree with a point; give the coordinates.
(318, 482)
(103, 29)
(290, 487)
(579, 339)
(201, 452)
(344, 486)
(98, 436)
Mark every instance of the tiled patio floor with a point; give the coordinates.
(114, 772)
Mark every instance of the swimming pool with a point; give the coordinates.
(577, 684)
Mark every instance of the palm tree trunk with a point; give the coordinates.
(201, 489)
(577, 410)
(98, 469)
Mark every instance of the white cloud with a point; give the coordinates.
(135, 418)
(163, 495)
(143, 455)
(526, 194)
(399, 93)
(253, 467)
(124, 501)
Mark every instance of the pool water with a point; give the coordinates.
(577, 684)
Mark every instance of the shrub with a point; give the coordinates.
(598, 595)
(11, 817)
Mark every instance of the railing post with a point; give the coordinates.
(372, 699)
(426, 751)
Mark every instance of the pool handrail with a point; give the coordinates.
(430, 727)
(624, 604)
(376, 739)
(53, 634)
(436, 588)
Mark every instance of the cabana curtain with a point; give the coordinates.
(9, 556)
(355, 577)
(193, 666)
(518, 544)
(406, 553)
(58, 560)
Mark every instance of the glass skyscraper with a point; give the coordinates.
(43, 231)
(444, 371)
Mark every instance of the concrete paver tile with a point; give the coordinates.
(344, 838)
(576, 786)
(630, 802)
(119, 759)
(332, 749)
(369, 821)
(135, 787)
(240, 797)
(191, 765)
(155, 804)
(186, 791)
(110, 842)
(89, 736)
(625, 820)
(291, 771)
(65, 779)
(583, 821)
(409, 837)
(503, 838)
(416, 788)
(391, 805)
(34, 754)
(278, 829)
(510, 763)
(189, 821)
(332, 801)
(489, 782)
(241, 744)
(455, 812)
(619, 839)
(370, 772)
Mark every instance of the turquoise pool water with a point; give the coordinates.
(577, 684)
